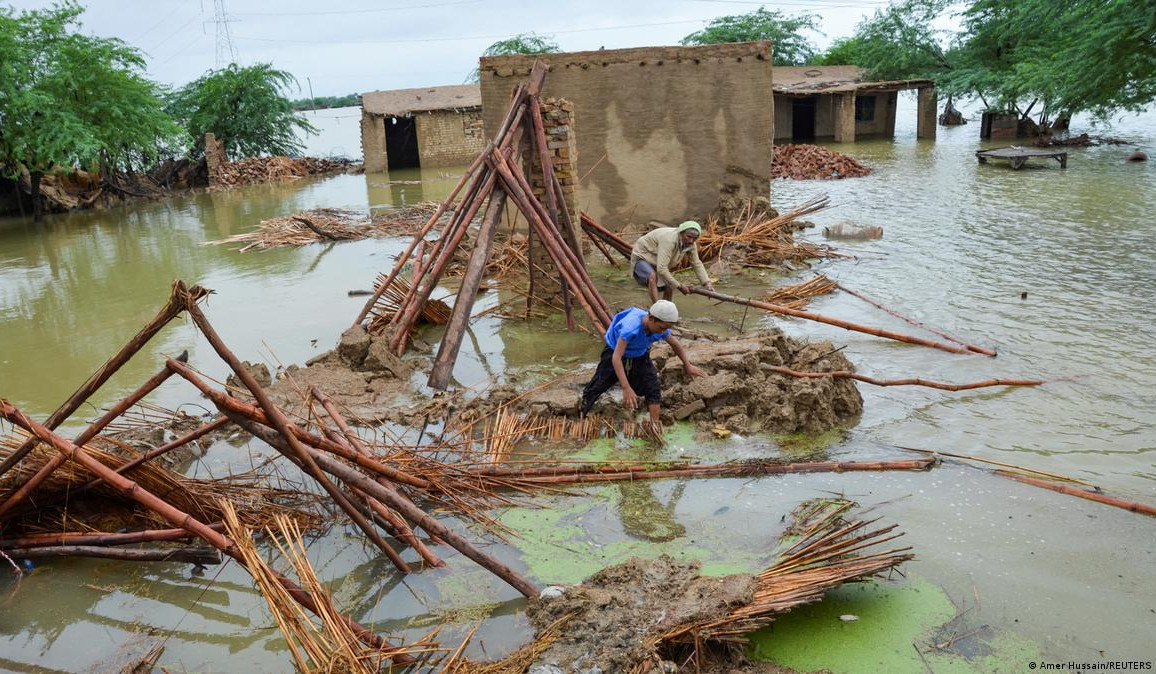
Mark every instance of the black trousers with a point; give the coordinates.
(640, 374)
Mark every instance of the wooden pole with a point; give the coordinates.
(406, 321)
(912, 321)
(219, 422)
(174, 516)
(820, 318)
(296, 449)
(593, 228)
(600, 473)
(89, 433)
(100, 538)
(228, 403)
(1134, 506)
(846, 374)
(174, 306)
(389, 496)
(451, 341)
(192, 555)
(429, 225)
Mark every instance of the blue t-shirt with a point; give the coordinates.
(627, 325)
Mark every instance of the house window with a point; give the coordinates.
(864, 108)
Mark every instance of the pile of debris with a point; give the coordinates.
(268, 169)
(663, 616)
(322, 225)
(741, 392)
(814, 162)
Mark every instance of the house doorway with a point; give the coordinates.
(803, 118)
(401, 143)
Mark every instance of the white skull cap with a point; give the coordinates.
(664, 310)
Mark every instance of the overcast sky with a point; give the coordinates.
(348, 46)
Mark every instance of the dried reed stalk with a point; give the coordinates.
(329, 224)
(764, 240)
(321, 643)
(820, 551)
(390, 301)
(800, 295)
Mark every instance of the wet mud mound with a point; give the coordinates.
(739, 393)
(361, 374)
(615, 618)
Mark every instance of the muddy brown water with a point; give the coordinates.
(961, 243)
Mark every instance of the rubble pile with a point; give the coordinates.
(814, 162)
(267, 169)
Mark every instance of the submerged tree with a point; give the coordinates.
(789, 48)
(70, 101)
(244, 107)
(898, 42)
(522, 43)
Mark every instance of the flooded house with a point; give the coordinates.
(837, 103)
(658, 132)
(423, 127)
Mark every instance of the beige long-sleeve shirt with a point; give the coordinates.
(661, 247)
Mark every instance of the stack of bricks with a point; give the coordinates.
(558, 122)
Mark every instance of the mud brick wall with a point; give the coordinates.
(558, 123)
(373, 142)
(658, 128)
(449, 137)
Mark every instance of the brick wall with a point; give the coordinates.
(657, 127)
(558, 124)
(448, 137)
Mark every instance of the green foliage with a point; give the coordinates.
(1097, 56)
(898, 42)
(522, 43)
(244, 107)
(324, 102)
(789, 47)
(69, 100)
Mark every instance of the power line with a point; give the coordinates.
(156, 25)
(359, 11)
(495, 36)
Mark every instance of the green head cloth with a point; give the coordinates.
(688, 225)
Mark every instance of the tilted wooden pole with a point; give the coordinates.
(89, 433)
(914, 381)
(918, 324)
(195, 434)
(296, 449)
(175, 516)
(820, 318)
(451, 341)
(179, 297)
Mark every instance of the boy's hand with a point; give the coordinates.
(693, 371)
(630, 399)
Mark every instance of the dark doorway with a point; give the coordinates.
(401, 143)
(803, 118)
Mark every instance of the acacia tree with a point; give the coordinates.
(1096, 56)
(784, 32)
(522, 43)
(69, 100)
(244, 107)
(896, 42)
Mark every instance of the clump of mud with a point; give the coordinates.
(740, 392)
(361, 374)
(617, 615)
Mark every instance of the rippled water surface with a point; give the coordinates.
(962, 244)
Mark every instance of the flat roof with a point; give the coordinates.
(402, 102)
(805, 80)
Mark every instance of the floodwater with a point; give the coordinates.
(1064, 578)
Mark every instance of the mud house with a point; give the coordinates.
(836, 103)
(659, 132)
(430, 126)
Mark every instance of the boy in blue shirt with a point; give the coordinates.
(626, 357)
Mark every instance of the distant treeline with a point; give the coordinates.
(322, 102)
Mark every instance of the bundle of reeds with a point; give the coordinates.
(390, 300)
(800, 295)
(321, 642)
(821, 550)
(762, 240)
(322, 225)
(250, 492)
